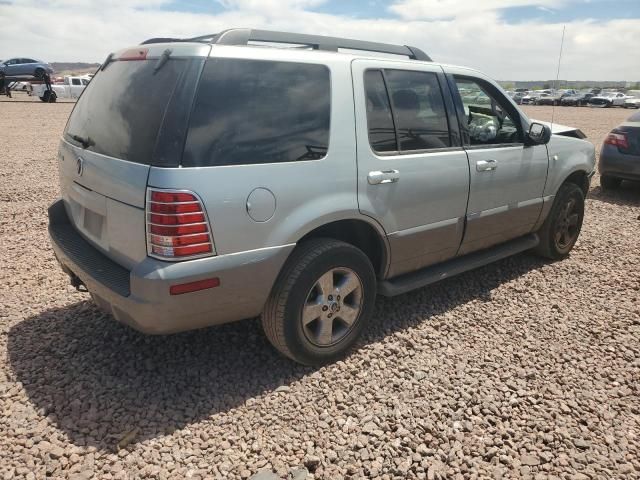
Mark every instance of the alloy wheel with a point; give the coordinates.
(567, 225)
(332, 307)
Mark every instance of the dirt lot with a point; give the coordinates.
(522, 369)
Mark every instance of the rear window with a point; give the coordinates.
(120, 112)
(254, 111)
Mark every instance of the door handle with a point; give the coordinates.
(486, 165)
(379, 177)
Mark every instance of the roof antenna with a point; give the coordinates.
(555, 85)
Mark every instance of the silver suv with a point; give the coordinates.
(218, 178)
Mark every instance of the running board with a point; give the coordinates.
(435, 273)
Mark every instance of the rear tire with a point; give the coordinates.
(610, 183)
(561, 229)
(306, 318)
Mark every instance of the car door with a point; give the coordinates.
(507, 177)
(413, 174)
(12, 67)
(75, 87)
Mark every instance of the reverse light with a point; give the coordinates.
(617, 139)
(177, 225)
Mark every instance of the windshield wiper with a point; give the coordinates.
(164, 58)
(86, 142)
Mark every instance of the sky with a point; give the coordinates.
(507, 39)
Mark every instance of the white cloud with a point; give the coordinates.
(429, 9)
(81, 30)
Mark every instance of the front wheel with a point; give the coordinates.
(322, 301)
(561, 229)
(39, 73)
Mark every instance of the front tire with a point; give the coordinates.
(610, 183)
(39, 73)
(322, 301)
(561, 229)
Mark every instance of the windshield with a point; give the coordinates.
(120, 111)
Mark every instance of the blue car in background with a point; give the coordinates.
(20, 67)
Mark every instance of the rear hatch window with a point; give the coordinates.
(120, 112)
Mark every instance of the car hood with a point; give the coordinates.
(564, 130)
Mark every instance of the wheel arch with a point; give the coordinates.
(581, 179)
(359, 233)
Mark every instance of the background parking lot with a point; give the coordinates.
(521, 368)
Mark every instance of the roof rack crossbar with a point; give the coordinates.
(242, 36)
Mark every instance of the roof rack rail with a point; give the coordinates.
(242, 36)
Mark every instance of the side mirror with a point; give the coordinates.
(539, 134)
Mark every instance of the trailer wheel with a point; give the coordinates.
(49, 96)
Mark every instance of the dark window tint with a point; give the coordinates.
(120, 112)
(418, 107)
(75, 81)
(382, 135)
(250, 111)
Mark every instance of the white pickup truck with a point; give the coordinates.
(71, 87)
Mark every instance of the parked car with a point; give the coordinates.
(517, 97)
(577, 100)
(71, 87)
(531, 98)
(295, 184)
(632, 103)
(25, 67)
(550, 99)
(620, 154)
(604, 100)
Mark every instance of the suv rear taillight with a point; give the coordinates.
(177, 225)
(618, 139)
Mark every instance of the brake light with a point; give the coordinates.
(177, 225)
(617, 139)
(134, 54)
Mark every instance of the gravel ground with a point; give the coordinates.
(522, 369)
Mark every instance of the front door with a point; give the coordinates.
(413, 174)
(507, 177)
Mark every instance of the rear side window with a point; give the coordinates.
(382, 134)
(417, 111)
(253, 111)
(121, 110)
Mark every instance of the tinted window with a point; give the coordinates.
(487, 117)
(418, 108)
(121, 110)
(75, 81)
(382, 135)
(250, 111)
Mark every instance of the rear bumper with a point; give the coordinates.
(140, 297)
(617, 164)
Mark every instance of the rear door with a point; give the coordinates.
(413, 174)
(128, 119)
(507, 177)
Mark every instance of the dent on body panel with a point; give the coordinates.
(567, 155)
